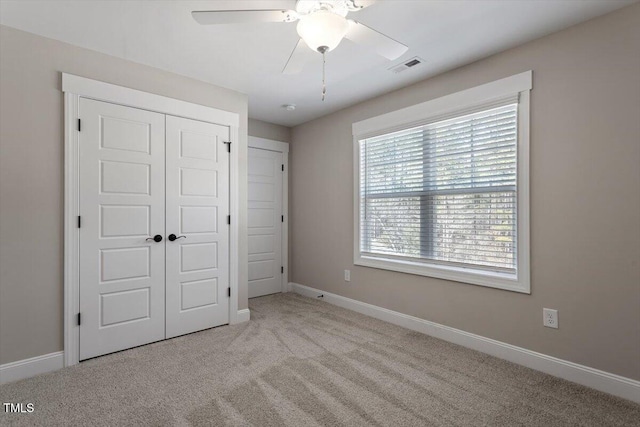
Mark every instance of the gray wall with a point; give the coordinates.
(32, 179)
(585, 202)
(267, 130)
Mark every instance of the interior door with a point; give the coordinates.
(265, 222)
(122, 197)
(197, 271)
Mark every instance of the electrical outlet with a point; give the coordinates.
(550, 318)
(347, 275)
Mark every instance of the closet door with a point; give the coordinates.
(265, 222)
(197, 205)
(122, 198)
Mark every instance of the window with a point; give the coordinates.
(443, 196)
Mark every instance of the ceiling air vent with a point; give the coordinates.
(406, 65)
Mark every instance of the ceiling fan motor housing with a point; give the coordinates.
(340, 7)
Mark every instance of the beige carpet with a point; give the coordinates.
(302, 362)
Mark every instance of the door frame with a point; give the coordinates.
(280, 147)
(76, 87)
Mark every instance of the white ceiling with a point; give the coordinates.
(249, 58)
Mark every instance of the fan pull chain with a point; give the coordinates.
(324, 87)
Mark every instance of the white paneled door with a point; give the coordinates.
(154, 238)
(265, 222)
(197, 230)
(122, 198)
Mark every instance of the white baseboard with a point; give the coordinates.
(26, 368)
(243, 315)
(600, 380)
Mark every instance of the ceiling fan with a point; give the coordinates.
(322, 24)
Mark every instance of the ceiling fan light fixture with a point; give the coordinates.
(322, 30)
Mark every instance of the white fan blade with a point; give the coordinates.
(298, 59)
(381, 44)
(216, 17)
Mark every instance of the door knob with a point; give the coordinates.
(156, 238)
(173, 237)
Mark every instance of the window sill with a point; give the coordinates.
(485, 278)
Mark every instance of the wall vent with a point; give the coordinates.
(406, 65)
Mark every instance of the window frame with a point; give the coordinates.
(457, 104)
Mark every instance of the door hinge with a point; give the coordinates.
(79, 221)
(282, 168)
(229, 292)
(282, 270)
(79, 319)
(228, 145)
(282, 218)
(229, 219)
(79, 125)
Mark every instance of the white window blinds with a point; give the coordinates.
(443, 192)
